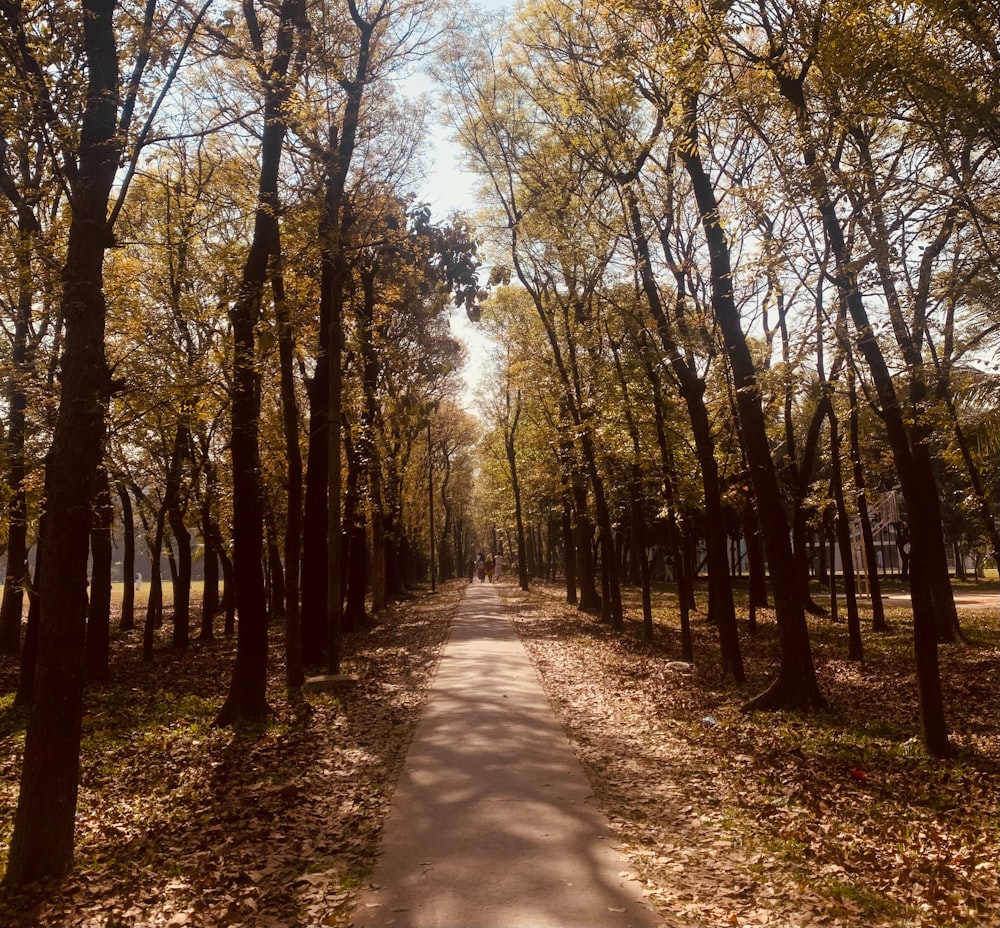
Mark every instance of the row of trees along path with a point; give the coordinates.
(717, 240)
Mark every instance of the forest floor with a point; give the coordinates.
(835, 819)
(777, 819)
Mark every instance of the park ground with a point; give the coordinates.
(727, 819)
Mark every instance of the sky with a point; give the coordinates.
(449, 188)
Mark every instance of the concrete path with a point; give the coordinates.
(493, 824)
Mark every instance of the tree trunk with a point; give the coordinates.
(42, 841)
(569, 547)
(611, 603)
(98, 641)
(275, 574)
(334, 527)
(446, 555)
(637, 534)
(584, 537)
(16, 577)
(855, 650)
(796, 686)
(879, 623)
(755, 556)
(355, 616)
(515, 484)
(923, 528)
(909, 338)
(829, 529)
(313, 617)
(182, 588)
(228, 592)
(210, 597)
(721, 607)
(397, 580)
(638, 538)
(371, 427)
(247, 698)
(800, 473)
(154, 605)
(29, 653)
(171, 511)
(127, 620)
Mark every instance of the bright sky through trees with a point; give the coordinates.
(450, 188)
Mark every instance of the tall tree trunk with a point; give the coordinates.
(828, 531)
(98, 641)
(247, 697)
(313, 617)
(355, 616)
(338, 221)
(275, 572)
(879, 623)
(569, 544)
(396, 544)
(611, 602)
(154, 604)
(127, 620)
(371, 427)
(29, 653)
(181, 635)
(583, 533)
(16, 577)
(675, 543)
(210, 596)
(796, 685)
(334, 526)
(721, 607)
(800, 474)
(446, 557)
(294, 668)
(637, 533)
(911, 476)
(42, 841)
(855, 645)
(515, 485)
(174, 508)
(228, 589)
(909, 337)
(755, 556)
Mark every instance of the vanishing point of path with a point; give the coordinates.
(493, 824)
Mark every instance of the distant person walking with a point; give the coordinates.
(138, 580)
(490, 565)
(498, 566)
(480, 567)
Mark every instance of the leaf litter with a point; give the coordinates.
(727, 819)
(182, 824)
(775, 819)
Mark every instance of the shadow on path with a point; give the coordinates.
(492, 822)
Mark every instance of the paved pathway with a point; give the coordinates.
(493, 824)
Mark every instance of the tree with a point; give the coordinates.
(910, 451)
(796, 684)
(42, 843)
(506, 409)
(542, 188)
(32, 194)
(247, 698)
